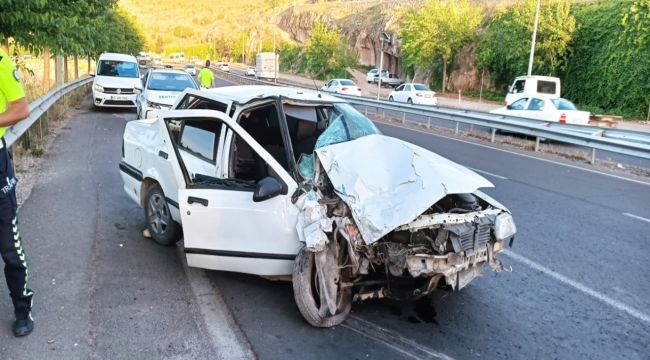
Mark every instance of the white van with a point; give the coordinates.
(534, 85)
(116, 78)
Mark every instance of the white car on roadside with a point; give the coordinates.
(414, 93)
(342, 86)
(190, 69)
(553, 109)
(290, 183)
(250, 71)
(373, 74)
(224, 67)
(116, 78)
(160, 90)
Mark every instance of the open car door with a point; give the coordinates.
(236, 224)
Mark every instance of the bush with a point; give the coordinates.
(327, 54)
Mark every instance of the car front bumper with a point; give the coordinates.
(113, 100)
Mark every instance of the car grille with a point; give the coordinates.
(475, 239)
(119, 102)
(114, 91)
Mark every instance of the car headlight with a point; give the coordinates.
(98, 88)
(504, 227)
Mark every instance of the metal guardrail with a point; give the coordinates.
(627, 142)
(39, 107)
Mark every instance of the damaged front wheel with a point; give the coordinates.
(319, 290)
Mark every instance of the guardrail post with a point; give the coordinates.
(537, 144)
(428, 122)
(365, 112)
(593, 156)
(494, 132)
(404, 118)
(457, 125)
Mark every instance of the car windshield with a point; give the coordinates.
(345, 124)
(347, 82)
(563, 104)
(421, 87)
(170, 82)
(117, 68)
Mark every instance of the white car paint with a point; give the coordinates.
(374, 73)
(250, 71)
(545, 109)
(116, 78)
(533, 86)
(224, 67)
(414, 93)
(218, 232)
(151, 99)
(190, 69)
(342, 86)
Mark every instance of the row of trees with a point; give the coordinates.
(68, 27)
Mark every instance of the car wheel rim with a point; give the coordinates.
(159, 217)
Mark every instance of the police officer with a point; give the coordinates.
(206, 76)
(13, 108)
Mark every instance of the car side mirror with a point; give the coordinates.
(138, 88)
(267, 188)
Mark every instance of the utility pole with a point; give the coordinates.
(532, 45)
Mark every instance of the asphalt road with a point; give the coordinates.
(579, 286)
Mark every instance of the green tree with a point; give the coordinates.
(504, 49)
(437, 31)
(326, 53)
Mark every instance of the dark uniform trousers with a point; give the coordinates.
(11, 247)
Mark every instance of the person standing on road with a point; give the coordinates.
(13, 108)
(206, 76)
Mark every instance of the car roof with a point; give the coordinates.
(169, 71)
(117, 57)
(245, 93)
(343, 79)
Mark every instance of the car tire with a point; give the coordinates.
(305, 283)
(409, 101)
(390, 98)
(162, 227)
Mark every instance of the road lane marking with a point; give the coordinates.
(392, 339)
(488, 173)
(637, 217)
(227, 338)
(578, 286)
(520, 154)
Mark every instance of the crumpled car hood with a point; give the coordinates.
(387, 182)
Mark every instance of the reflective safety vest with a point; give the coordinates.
(10, 87)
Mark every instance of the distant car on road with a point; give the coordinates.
(116, 78)
(414, 93)
(190, 69)
(547, 109)
(392, 80)
(373, 74)
(342, 86)
(161, 87)
(157, 61)
(250, 71)
(224, 67)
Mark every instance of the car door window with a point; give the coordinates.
(407, 88)
(519, 104)
(536, 104)
(400, 88)
(197, 141)
(518, 86)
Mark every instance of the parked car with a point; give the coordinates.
(546, 109)
(116, 78)
(373, 74)
(413, 93)
(392, 80)
(290, 183)
(161, 87)
(529, 86)
(190, 69)
(342, 86)
(224, 67)
(250, 71)
(157, 61)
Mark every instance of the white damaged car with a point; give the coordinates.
(288, 183)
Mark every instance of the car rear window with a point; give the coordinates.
(421, 87)
(117, 68)
(347, 82)
(546, 87)
(563, 104)
(170, 82)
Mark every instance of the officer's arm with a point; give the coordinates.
(16, 111)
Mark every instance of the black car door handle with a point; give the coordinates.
(192, 200)
(163, 154)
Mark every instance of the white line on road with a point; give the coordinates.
(576, 285)
(226, 337)
(637, 217)
(520, 154)
(488, 173)
(391, 339)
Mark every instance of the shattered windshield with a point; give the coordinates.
(345, 124)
